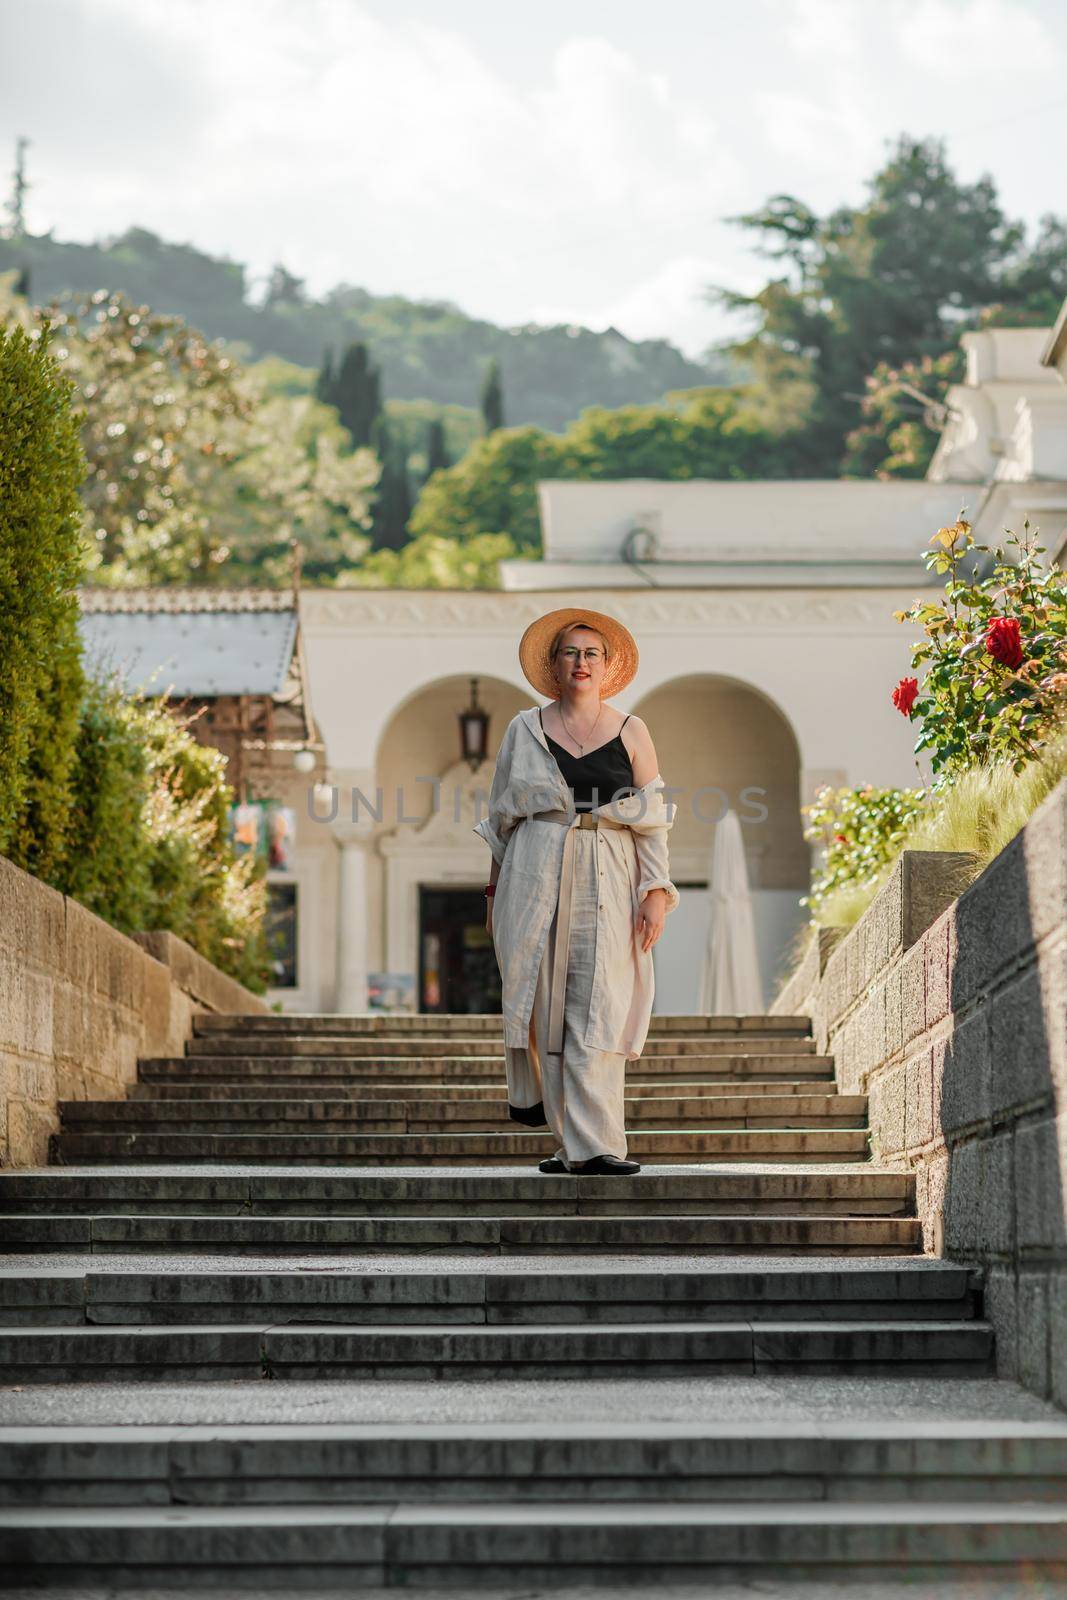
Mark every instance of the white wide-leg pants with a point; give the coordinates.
(583, 1089)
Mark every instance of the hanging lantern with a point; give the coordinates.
(474, 731)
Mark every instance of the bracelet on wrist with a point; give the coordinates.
(490, 890)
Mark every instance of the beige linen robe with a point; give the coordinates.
(632, 860)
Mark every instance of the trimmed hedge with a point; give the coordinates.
(41, 556)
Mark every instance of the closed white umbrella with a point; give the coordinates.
(730, 983)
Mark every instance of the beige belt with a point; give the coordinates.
(558, 976)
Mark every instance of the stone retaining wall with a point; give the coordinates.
(79, 1002)
(951, 1014)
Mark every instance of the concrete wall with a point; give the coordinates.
(951, 1014)
(79, 1002)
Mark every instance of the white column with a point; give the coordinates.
(353, 842)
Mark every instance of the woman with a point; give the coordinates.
(579, 888)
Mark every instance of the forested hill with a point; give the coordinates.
(426, 350)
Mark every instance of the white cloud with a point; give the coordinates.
(826, 29)
(514, 168)
(330, 136)
(974, 38)
(839, 138)
(675, 297)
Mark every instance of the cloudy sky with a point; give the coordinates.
(561, 160)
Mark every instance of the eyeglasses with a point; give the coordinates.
(572, 653)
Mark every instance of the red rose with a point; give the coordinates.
(1004, 641)
(905, 694)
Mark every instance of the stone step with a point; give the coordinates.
(490, 1091)
(283, 1047)
(854, 1190)
(466, 1070)
(219, 1351)
(847, 1463)
(479, 1149)
(471, 1235)
(343, 1025)
(905, 1292)
(550, 1543)
(310, 1114)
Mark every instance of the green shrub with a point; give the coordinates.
(200, 889)
(106, 866)
(149, 844)
(861, 831)
(991, 711)
(995, 653)
(41, 557)
(978, 815)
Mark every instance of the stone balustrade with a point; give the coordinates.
(80, 1002)
(950, 1012)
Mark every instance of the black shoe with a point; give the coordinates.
(607, 1166)
(552, 1164)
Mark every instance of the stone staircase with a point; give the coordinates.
(673, 1377)
(429, 1091)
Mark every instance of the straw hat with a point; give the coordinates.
(536, 643)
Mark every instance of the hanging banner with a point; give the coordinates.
(264, 828)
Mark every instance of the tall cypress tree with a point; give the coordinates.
(355, 389)
(437, 456)
(393, 507)
(325, 381)
(492, 397)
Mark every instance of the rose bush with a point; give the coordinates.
(994, 650)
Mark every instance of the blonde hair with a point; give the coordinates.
(557, 642)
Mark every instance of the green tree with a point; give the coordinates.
(41, 561)
(903, 414)
(392, 509)
(324, 379)
(883, 284)
(437, 457)
(283, 289)
(292, 477)
(707, 434)
(434, 562)
(1034, 285)
(355, 390)
(200, 471)
(428, 351)
(491, 489)
(163, 415)
(492, 397)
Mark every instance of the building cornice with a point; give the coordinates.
(665, 611)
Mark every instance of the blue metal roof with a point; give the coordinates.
(195, 653)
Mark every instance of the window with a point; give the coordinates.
(281, 934)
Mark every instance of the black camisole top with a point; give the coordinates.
(607, 770)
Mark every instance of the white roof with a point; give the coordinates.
(709, 533)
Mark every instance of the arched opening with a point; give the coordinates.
(421, 739)
(435, 867)
(722, 743)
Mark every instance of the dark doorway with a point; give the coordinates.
(457, 961)
(281, 932)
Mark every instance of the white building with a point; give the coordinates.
(764, 617)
